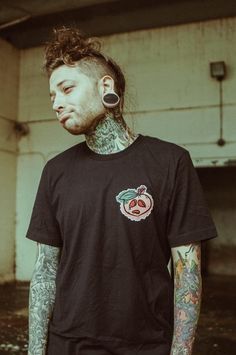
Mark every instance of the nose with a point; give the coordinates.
(58, 104)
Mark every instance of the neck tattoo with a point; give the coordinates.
(111, 135)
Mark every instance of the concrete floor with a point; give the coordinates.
(216, 331)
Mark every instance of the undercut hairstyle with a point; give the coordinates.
(70, 47)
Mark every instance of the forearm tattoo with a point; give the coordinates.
(42, 297)
(187, 267)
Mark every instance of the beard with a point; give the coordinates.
(76, 125)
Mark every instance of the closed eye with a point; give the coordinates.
(67, 89)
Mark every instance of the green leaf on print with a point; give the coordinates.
(125, 196)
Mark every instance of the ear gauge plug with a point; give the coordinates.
(110, 99)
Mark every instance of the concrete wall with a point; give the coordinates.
(170, 95)
(9, 79)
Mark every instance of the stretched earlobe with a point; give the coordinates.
(110, 98)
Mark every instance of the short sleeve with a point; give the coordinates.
(189, 219)
(43, 227)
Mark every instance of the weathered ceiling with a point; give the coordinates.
(15, 9)
(27, 23)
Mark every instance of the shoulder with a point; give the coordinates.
(164, 150)
(58, 166)
(64, 158)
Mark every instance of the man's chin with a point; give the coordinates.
(75, 131)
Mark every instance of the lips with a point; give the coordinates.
(63, 117)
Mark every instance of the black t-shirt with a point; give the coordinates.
(116, 218)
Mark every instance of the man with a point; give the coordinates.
(109, 214)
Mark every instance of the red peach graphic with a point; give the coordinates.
(136, 204)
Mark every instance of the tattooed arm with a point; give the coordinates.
(42, 296)
(187, 296)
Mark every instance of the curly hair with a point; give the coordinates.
(69, 46)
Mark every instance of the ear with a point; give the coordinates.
(106, 84)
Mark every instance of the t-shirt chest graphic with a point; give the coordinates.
(135, 204)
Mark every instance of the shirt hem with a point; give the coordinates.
(106, 338)
(195, 236)
(39, 239)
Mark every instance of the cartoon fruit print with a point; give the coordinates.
(135, 204)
